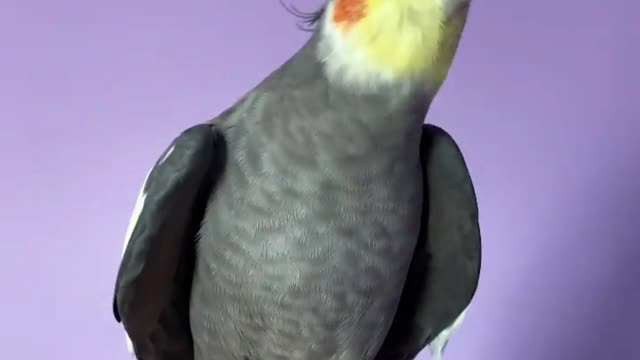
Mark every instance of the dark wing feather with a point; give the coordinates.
(445, 269)
(153, 284)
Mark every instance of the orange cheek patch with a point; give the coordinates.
(348, 12)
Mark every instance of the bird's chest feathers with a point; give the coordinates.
(319, 216)
(301, 196)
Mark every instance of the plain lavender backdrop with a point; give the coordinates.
(540, 99)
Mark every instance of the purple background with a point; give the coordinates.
(540, 99)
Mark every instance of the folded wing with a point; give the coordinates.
(445, 268)
(153, 284)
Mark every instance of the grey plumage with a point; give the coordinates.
(311, 231)
(312, 206)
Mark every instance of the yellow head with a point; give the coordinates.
(368, 42)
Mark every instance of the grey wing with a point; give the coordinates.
(445, 268)
(153, 284)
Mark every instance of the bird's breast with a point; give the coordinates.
(303, 246)
(289, 226)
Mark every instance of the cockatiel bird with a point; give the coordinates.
(317, 218)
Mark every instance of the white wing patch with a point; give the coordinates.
(137, 210)
(438, 344)
(166, 156)
(130, 346)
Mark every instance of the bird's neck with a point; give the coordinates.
(376, 67)
(365, 44)
(388, 116)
